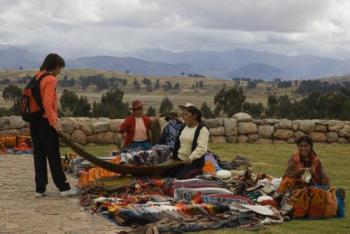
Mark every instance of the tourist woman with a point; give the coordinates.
(44, 131)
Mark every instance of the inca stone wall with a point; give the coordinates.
(241, 128)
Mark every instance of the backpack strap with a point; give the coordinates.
(36, 89)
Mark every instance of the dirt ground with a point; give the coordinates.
(21, 212)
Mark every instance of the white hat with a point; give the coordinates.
(186, 105)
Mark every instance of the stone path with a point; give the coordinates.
(21, 212)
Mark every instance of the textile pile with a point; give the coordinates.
(15, 145)
(241, 199)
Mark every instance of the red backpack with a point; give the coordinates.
(31, 102)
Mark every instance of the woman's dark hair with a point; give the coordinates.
(306, 139)
(51, 62)
(195, 111)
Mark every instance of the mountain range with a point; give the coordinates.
(218, 64)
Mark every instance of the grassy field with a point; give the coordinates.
(272, 159)
(186, 94)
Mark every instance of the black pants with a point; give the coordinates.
(45, 145)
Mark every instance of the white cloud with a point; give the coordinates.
(114, 26)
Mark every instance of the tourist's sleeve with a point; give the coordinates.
(124, 126)
(202, 144)
(48, 94)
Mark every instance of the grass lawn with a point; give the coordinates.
(272, 159)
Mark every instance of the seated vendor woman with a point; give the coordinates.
(136, 128)
(304, 166)
(191, 144)
(306, 186)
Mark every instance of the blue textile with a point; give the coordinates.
(138, 145)
(171, 132)
(340, 210)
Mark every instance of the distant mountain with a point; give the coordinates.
(134, 66)
(222, 63)
(14, 57)
(217, 64)
(259, 71)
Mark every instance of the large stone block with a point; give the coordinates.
(318, 136)
(332, 137)
(345, 132)
(86, 127)
(4, 123)
(102, 138)
(265, 131)
(342, 140)
(67, 125)
(230, 126)
(307, 126)
(218, 139)
(98, 127)
(242, 117)
(242, 139)
(79, 137)
(335, 125)
(291, 140)
(283, 134)
(247, 128)
(252, 138)
(299, 134)
(271, 121)
(263, 141)
(320, 128)
(231, 139)
(219, 131)
(285, 124)
(211, 123)
(295, 125)
(115, 123)
(16, 122)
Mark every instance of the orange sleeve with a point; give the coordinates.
(49, 99)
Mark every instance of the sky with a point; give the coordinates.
(117, 27)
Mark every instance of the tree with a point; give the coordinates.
(136, 84)
(230, 101)
(112, 105)
(254, 109)
(177, 86)
(14, 94)
(69, 100)
(151, 111)
(165, 106)
(206, 111)
(82, 108)
(157, 85)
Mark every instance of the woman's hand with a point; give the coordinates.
(188, 161)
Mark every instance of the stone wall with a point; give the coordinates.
(241, 128)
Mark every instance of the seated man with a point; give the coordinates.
(136, 128)
(172, 130)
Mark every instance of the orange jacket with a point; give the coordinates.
(49, 97)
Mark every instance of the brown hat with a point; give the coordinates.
(137, 104)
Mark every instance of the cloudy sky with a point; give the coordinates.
(116, 27)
